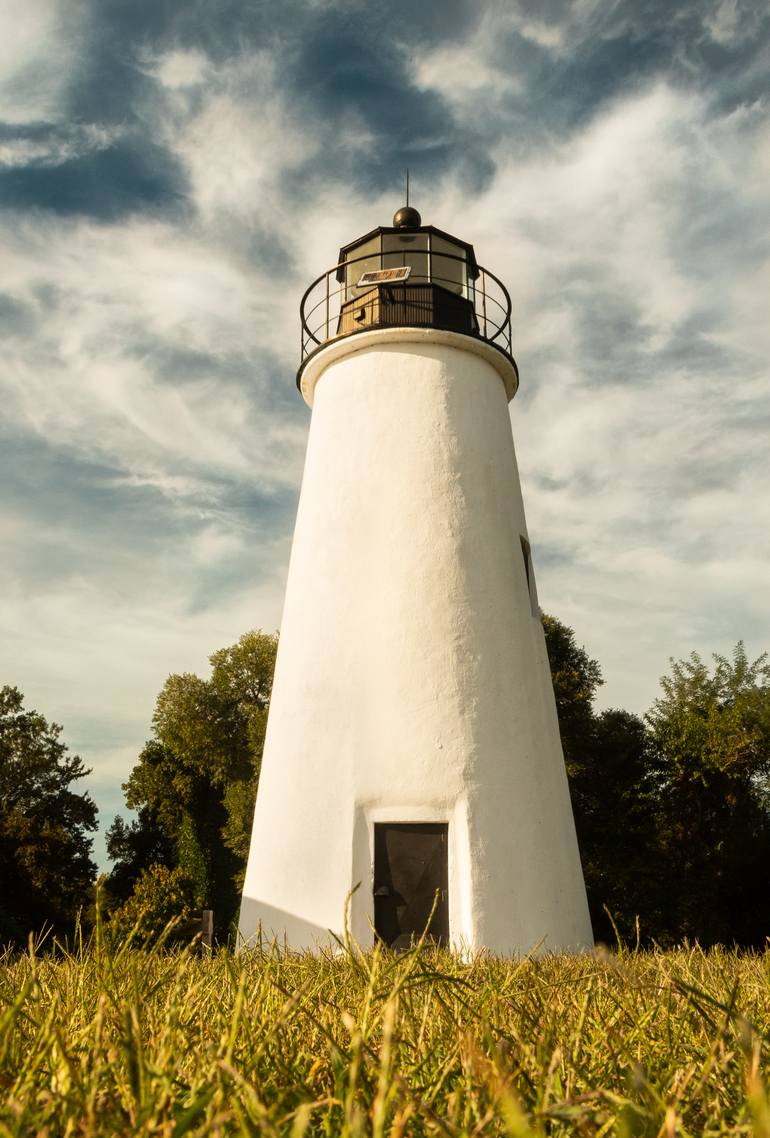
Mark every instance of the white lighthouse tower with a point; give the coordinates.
(412, 746)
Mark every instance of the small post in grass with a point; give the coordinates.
(207, 928)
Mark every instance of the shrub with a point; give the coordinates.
(160, 895)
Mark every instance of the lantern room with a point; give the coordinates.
(406, 275)
(428, 254)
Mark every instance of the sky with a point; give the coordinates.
(174, 173)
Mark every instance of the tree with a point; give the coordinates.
(45, 862)
(243, 677)
(711, 731)
(161, 895)
(618, 827)
(612, 786)
(133, 848)
(575, 676)
(197, 777)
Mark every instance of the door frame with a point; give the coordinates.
(459, 868)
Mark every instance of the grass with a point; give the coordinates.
(118, 1040)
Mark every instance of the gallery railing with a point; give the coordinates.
(477, 306)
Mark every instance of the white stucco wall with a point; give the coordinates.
(412, 680)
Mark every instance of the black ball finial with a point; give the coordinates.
(406, 218)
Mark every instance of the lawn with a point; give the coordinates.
(116, 1040)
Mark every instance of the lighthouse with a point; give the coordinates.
(412, 770)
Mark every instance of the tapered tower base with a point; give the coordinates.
(412, 743)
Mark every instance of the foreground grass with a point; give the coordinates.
(122, 1041)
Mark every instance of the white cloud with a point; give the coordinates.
(463, 73)
(177, 69)
(730, 21)
(60, 147)
(97, 294)
(38, 49)
(238, 142)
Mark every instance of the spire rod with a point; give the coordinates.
(407, 185)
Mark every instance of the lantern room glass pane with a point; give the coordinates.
(407, 249)
(450, 274)
(370, 252)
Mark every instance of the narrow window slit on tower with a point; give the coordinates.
(530, 574)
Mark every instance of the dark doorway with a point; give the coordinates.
(410, 867)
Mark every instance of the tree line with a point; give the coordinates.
(672, 809)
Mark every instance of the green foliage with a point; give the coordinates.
(611, 777)
(576, 678)
(687, 787)
(192, 720)
(423, 1043)
(616, 791)
(715, 724)
(45, 866)
(134, 847)
(711, 730)
(161, 895)
(197, 778)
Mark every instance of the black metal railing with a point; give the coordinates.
(477, 306)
